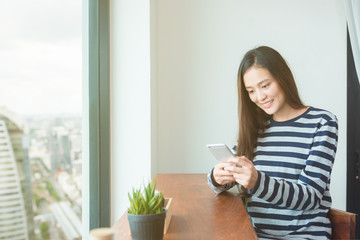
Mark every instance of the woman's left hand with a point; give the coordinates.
(243, 171)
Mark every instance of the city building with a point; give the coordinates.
(16, 214)
(67, 220)
(60, 147)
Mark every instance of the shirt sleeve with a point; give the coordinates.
(217, 187)
(308, 191)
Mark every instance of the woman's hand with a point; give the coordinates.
(243, 171)
(221, 175)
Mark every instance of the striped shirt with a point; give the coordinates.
(294, 159)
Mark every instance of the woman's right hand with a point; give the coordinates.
(222, 176)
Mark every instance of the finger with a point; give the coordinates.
(243, 182)
(222, 165)
(242, 161)
(236, 168)
(234, 160)
(238, 176)
(234, 163)
(237, 161)
(226, 179)
(223, 179)
(240, 182)
(223, 173)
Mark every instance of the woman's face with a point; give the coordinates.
(265, 91)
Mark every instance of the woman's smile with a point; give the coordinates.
(265, 91)
(267, 104)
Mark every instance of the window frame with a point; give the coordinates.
(99, 113)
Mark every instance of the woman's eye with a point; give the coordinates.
(265, 86)
(251, 91)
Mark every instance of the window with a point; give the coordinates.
(40, 119)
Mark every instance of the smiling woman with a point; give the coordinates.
(258, 65)
(286, 151)
(268, 95)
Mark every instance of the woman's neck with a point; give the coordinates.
(288, 113)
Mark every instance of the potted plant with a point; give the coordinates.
(146, 213)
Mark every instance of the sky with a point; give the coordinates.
(41, 56)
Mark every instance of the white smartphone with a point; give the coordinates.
(221, 152)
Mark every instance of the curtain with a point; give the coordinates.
(352, 9)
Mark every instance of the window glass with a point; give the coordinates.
(40, 119)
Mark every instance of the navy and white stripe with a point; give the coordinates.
(294, 160)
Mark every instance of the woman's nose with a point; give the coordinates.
(261, 96)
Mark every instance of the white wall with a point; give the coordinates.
(199, 47)
(130, 99)
(163, 125)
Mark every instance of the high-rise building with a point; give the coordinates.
(60, 148)
(16, 214)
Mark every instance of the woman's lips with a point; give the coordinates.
(267, 104)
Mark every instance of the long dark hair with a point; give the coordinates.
(252, 119)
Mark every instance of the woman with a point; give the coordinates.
(285, 152)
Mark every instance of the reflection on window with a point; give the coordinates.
(40, 120)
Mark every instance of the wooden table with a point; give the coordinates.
(197, 212)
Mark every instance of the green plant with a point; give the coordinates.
(52, 190)
(44, 228)
(148, 202)
(37, 199)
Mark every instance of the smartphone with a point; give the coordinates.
(221, 152)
